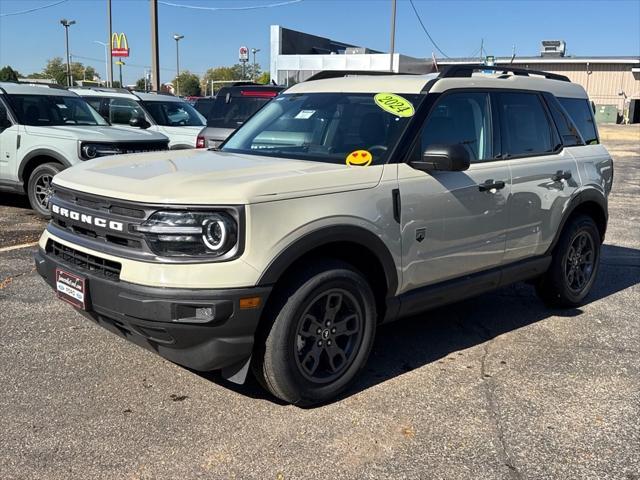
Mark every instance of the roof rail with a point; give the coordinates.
(37, 84)
(102, 89)
(466, 70)
(345, 73)
(152, 92)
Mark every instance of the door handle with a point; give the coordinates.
(489, 185)
(560, 175)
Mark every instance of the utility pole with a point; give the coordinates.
(393, 34)
(481, 50)
(255, 65)
(109, 40)
(66, 24)
(177, 38)
(120, 63)
(155, 58)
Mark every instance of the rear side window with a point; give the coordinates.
(580, 112)
(122, 110)
(568, 131)
(524, 125)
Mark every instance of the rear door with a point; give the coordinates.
(454, 223)
(9, 138)
(544, 173)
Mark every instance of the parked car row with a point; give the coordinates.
(46, 128)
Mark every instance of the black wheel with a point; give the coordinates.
(574, 266)
(39, 188)
(321, 337)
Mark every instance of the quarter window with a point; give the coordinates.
(580, 112)
(524, 125)
(566, 128)
(461, 119)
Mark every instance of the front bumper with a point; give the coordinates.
(173, 322)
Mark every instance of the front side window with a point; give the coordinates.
(580, 112)
(51, 110)
(524, 124)
(461, 119)
(173, 114)
(122, 110)
(324, 127)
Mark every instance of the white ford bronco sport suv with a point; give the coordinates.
(45, 128)
(157, 112)
(342, 204)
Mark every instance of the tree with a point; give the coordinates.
(141, 84)
(264, 78)
(57, 70)
(8, 74)
(188, 84)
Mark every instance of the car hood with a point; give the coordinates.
(100, 133)
(206, 177)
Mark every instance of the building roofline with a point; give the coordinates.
(530, 60)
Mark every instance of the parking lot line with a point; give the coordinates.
(17, 247)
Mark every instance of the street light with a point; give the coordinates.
(66, 24)
(177, 38)
(106, 60)
(254, 51)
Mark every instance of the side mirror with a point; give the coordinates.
(451, 158)
(139, 122)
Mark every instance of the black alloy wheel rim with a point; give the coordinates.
(329, 335)
(580, 262)
(43, 189)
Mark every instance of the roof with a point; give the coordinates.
(366, 83)
(415, 84)
(35, 89)
(534, 60)
(123, 93)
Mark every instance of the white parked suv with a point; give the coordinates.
(341, 204)
(160, 112)
(44, 129)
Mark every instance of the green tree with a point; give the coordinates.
(8, 74)
(187, 84)
(57, 70)
(141, 84)
(264, 78)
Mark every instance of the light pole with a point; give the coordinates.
(177, 38)
(254, 51)
(393, 34)
(66, 24)
(106, 60)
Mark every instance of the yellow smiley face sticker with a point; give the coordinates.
(359, 158)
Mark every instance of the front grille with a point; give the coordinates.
(84, 261)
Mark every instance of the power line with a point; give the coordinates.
(32, 9)
(214, 9)
(426, 31)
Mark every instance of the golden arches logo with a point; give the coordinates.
(119, 45)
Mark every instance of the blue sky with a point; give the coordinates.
(212, 38)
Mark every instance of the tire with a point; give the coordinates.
(298, 358)
(577, 251)
(39, 187)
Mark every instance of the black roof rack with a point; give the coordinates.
(102, 89)
(345, 73)
(49, 85)
(466, 70)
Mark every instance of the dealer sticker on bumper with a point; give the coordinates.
(71, 288)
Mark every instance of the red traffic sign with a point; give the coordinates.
(243, 53)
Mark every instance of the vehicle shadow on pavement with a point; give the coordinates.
(14, 200)
(426, 338)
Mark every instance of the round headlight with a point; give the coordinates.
(214, 233)
(89, 151)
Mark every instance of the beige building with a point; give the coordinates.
(607, 80)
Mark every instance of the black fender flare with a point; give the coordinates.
(41, 152)
(327, 235)
(582, 197)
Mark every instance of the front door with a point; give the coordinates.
(454, 223)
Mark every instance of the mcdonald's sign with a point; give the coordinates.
(119, 45)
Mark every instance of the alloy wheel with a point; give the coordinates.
(579, 262)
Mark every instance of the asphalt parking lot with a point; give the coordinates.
(497, 387)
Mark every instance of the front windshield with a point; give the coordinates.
(174, 114)
(51, 110)
(324, 127)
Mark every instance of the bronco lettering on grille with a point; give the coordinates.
(88, 219)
